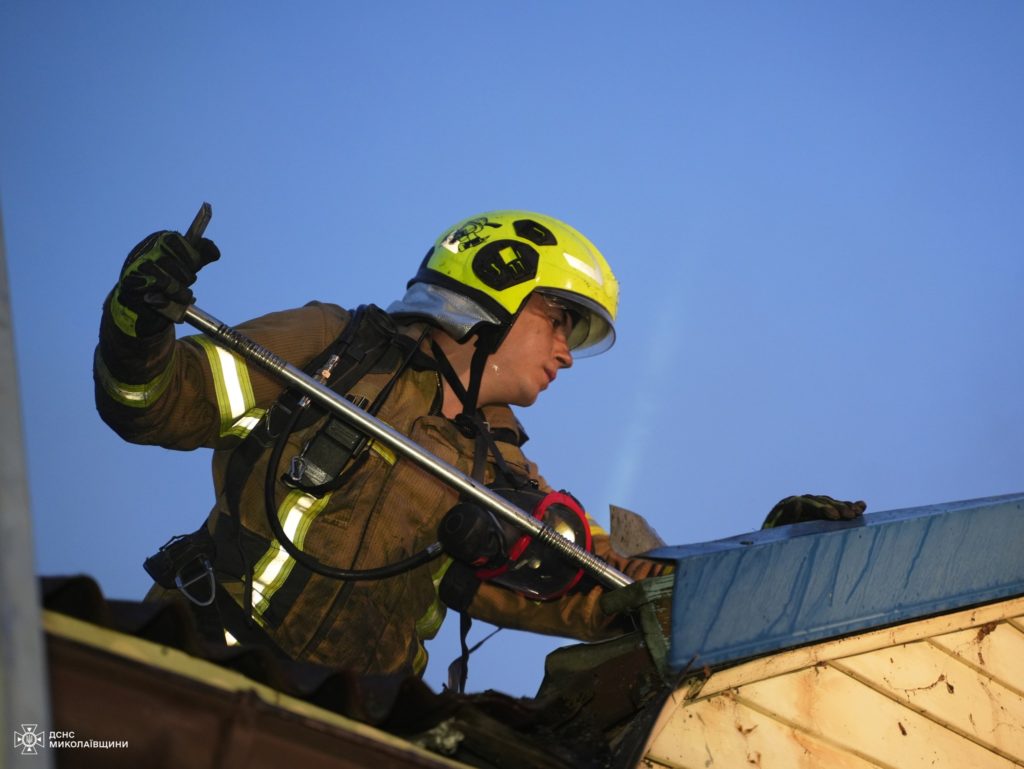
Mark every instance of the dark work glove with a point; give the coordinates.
(157, 273)
(811, 507)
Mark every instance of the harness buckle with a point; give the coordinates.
(206, 571)
(296, 469)
(184, 561)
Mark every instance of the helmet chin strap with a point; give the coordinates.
(469, 396)
(470, 421)
(481, 352)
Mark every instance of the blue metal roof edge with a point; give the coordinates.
(759, 593)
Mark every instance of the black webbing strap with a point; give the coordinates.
(326, 461)
(458, 671)
(225, 615)
(185, 564)
(241, 626)
(471, 422)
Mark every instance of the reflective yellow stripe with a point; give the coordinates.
(386, 454)
(596, 530)
(247, 422)
(296, 514)
(231, 381)
(138, 396)
(124, 318)
(419, 663)
(428, 625)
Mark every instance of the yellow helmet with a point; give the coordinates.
(482, 271)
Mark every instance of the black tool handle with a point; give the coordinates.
(195, 230)
(175, 311)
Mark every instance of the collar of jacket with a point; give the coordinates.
(504, 425)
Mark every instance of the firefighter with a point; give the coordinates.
(319, 544)
(502, 303)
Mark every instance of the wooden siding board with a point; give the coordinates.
(726, 732)
(974, 649)
(995, 648)
(969, 621)
(867, 722)
(949, 692)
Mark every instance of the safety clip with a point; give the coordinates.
(205, 570)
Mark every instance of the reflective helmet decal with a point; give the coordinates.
(468, 235)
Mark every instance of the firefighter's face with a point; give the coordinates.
(531, 355)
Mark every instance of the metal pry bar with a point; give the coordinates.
(198, 226)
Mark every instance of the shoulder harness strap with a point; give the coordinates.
(369, 342)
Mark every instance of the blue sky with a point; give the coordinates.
(814, 211)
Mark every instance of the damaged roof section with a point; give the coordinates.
(140, 673)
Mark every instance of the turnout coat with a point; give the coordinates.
(190, 393)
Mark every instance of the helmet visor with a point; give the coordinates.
(592, 330)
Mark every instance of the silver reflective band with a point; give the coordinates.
(230, 380)
(247, 422)
(135, 395)
(296, 514)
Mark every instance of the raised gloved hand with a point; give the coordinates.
(157, 273)
(812, 507)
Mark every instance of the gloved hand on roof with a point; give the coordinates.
(812, 507)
